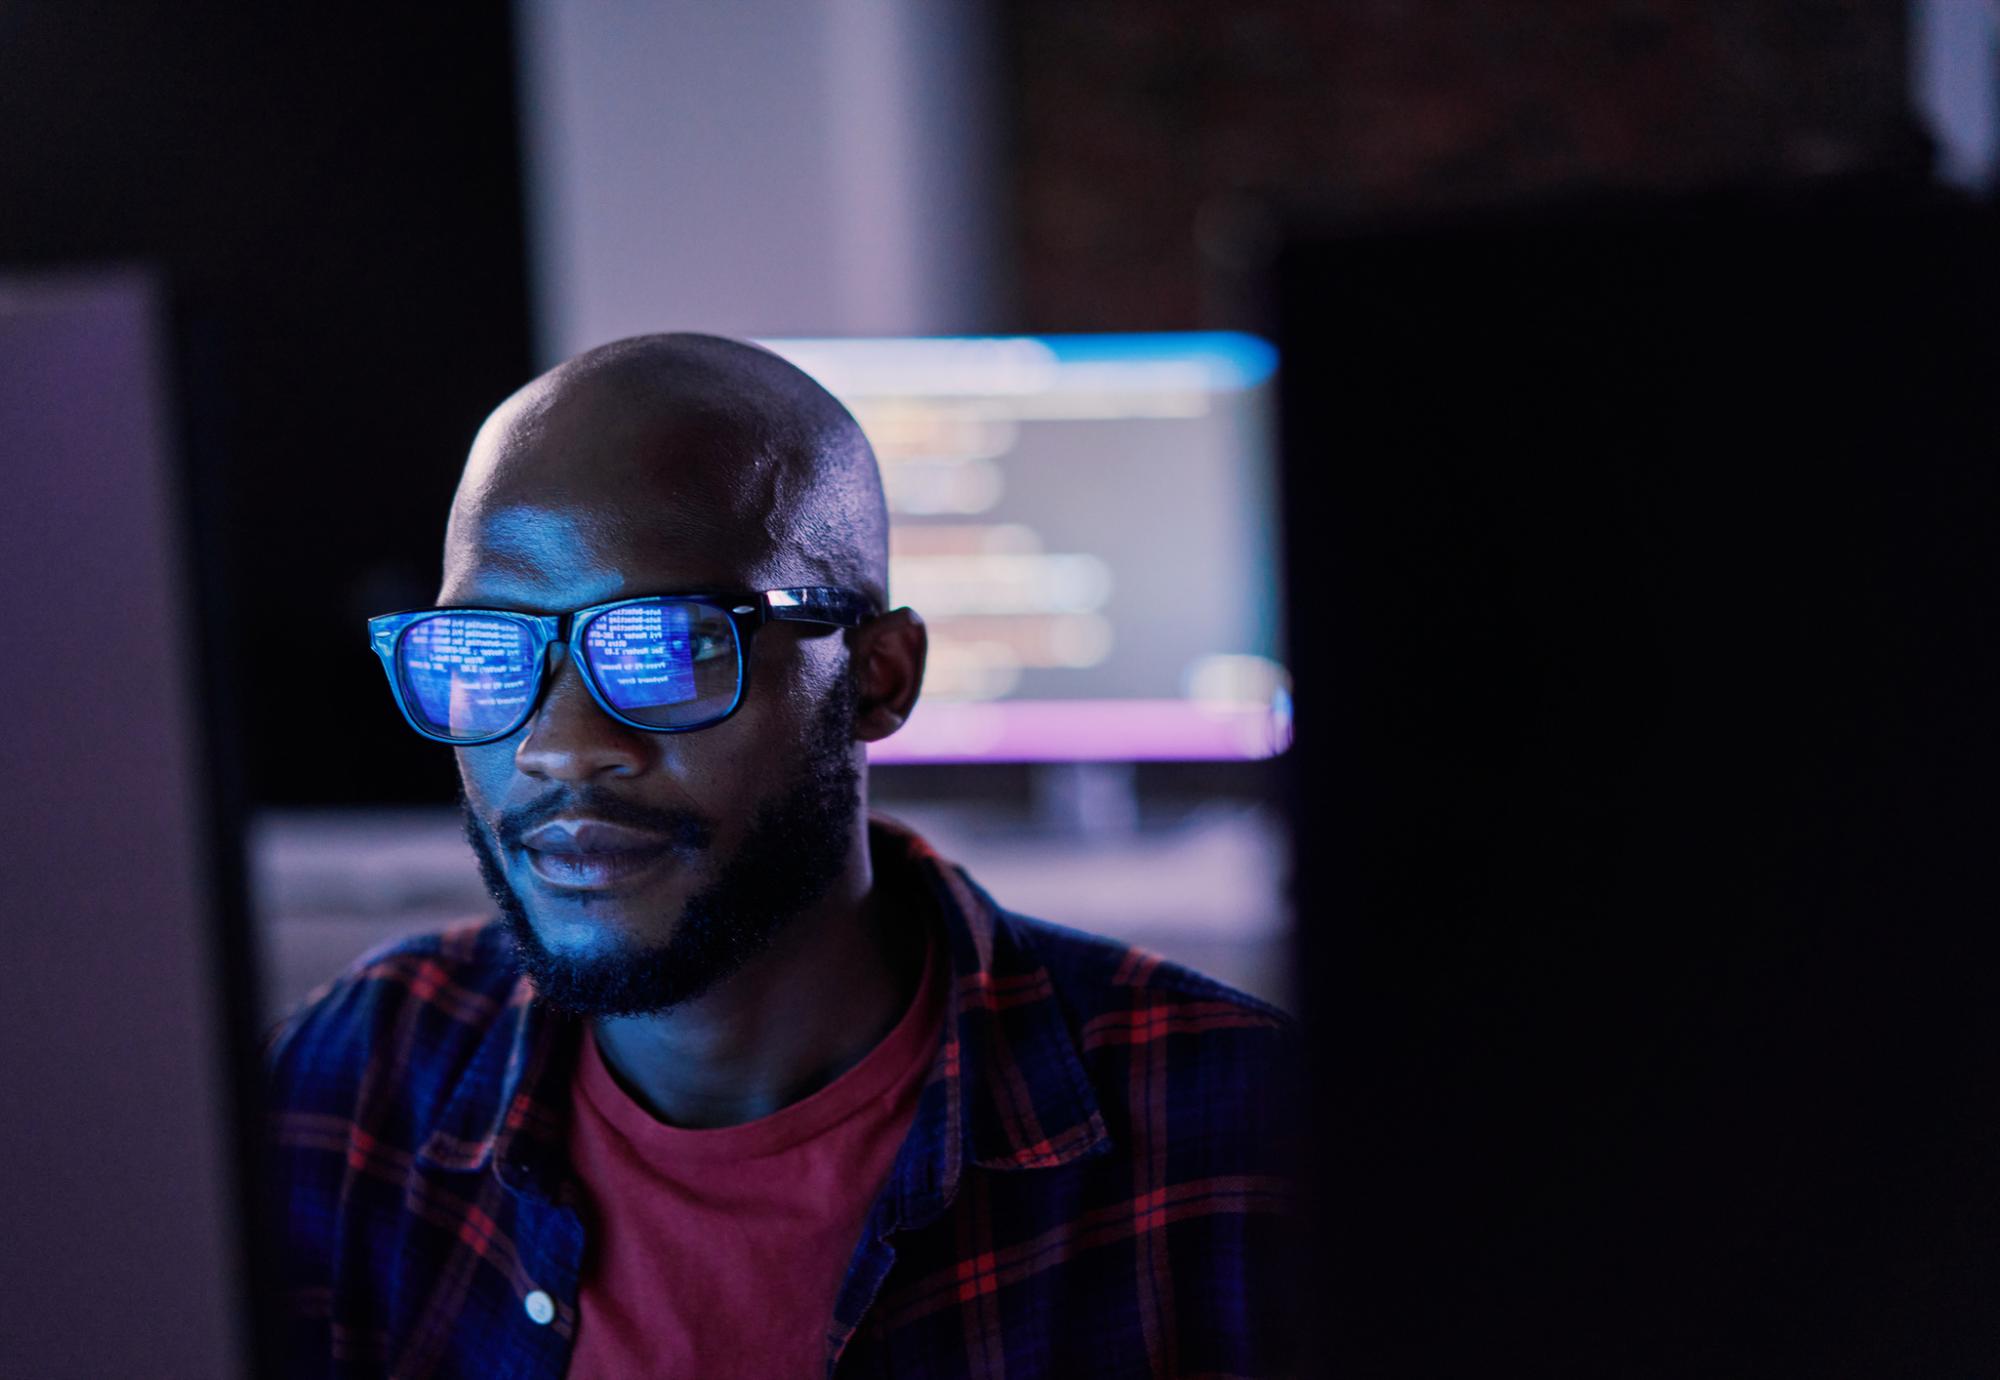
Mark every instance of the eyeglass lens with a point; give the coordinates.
(467, 675)
(665, 663)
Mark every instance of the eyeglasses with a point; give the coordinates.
(664, 663)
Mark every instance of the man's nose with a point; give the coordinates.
(571, 739)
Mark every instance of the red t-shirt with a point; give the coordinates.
(719, 1253)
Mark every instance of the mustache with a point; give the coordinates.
(683, 829)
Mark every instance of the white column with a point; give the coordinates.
(1955, 85)
(760, 167)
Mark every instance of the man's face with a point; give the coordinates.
(635, 870)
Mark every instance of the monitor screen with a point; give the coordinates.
(1085, 524)
(130, 1005)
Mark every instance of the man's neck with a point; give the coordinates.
(832, 984)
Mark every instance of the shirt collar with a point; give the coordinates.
(1007, 1088)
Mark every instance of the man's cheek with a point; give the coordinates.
(483, 774)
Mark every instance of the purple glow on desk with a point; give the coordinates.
(1086, 731)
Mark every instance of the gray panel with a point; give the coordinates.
(114, 1184)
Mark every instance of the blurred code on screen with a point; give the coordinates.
(1085, 524)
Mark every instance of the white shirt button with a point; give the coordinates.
(540, 1307)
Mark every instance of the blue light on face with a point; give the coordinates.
(643, 655)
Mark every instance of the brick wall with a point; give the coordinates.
(1150, 135)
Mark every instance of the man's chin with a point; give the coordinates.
(639, 910)
(607, 975)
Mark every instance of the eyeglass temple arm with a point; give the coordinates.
(818, 604)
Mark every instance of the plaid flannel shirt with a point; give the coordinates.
(1096, 1183)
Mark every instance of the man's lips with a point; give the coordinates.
(592, 854)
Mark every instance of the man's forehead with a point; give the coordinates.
(555, 555)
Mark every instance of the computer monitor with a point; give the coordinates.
(1085, 523)
(128, 1018)
(1644, 578)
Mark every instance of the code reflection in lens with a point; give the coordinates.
(664, 663)
(467, 676)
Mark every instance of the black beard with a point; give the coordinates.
(793, 850)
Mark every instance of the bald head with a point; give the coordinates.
(718, 451)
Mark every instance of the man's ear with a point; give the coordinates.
(888, 661)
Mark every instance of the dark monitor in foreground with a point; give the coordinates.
(1643, 567)
(124, 1244)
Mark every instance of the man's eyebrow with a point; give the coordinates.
(507, 600)
(735, 590)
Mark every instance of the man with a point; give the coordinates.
(742, 1082)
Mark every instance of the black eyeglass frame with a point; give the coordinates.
(840, 608)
